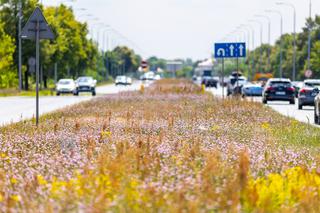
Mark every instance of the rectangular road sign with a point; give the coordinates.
(230, 50)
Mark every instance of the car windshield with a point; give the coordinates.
(84, 80)
(312, 84)
(119, 78)
(234, 81)
(280, 84)
(65, 82)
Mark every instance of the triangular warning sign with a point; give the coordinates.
(30, 29)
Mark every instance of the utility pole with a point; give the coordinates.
(20, 45)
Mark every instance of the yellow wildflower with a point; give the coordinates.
(3, 155)
(215, 128)
(13, 181)
(15, 198)
(41, 180)
(265, 125)
(106, 134)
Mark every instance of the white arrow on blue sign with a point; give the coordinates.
(230, 50)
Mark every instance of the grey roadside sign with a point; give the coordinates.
(35, 29)
(32, 64)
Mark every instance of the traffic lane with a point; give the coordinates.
(113, 89)
(15, 109)
(306, 115)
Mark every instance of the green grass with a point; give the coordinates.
(16, 92)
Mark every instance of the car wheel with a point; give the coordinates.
(76, 93)
(58, 93)
(264, 101)
(300, 107)
(94, 93)
(316, 117)
(292, 102)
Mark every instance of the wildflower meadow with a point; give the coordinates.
(171, 147)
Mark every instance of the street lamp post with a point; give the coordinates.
(309, 36)
(261, 41)
(253, 52)
(294, 38)
(247, 33)
(281, 39)
(20, 44)
(269, 37)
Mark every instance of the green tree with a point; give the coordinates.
(122, 60)
(8, 77)
(156, 63)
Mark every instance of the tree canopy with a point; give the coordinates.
(73, 51)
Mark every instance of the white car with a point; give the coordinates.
(65, 86)
(123, 80)
(149, 76)
(157, 77)
(129, 81)
(86, 84)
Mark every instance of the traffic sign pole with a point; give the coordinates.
(238, 74)
(20, 45)
(229, 50)
(35, 29)
(37, 69)
(222, 78)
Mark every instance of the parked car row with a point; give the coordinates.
(82, 84)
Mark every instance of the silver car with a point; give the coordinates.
(86, 84)
(308, 92)
(65, 86)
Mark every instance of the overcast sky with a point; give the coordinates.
(187, 28)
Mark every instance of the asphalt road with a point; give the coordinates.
(15, 109)
(306, 115)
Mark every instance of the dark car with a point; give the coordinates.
(317, 109)
(208, 80)
(308, 92)
(278, 89)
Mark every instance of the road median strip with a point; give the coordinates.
(170, 148)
